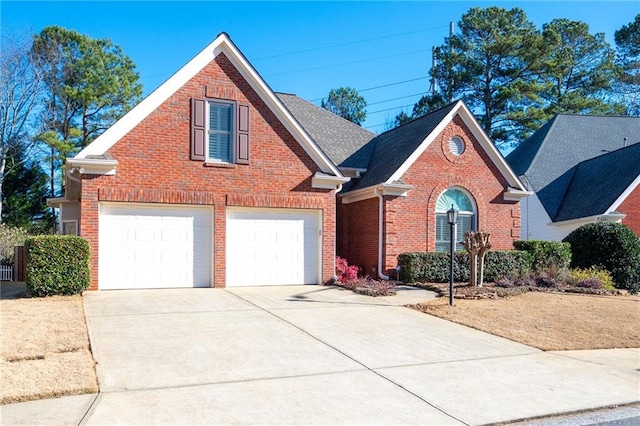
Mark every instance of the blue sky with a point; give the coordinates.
(305, 48)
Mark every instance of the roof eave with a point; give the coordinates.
(513, 194)
(611, 216)
(625, 194)
(324, 181)
(391, 189)
(92, 166)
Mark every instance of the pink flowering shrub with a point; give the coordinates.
(344, 272)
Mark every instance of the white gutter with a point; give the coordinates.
(324, 181)
(380, 229)
(92, 166)
(514, 194)
(605, 217)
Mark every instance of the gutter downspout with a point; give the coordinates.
(380, 229)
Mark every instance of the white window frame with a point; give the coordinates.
(232, 131)
(459, 231)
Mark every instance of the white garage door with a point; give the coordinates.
(153, 246)
(272, 247)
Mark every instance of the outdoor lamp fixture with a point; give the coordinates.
(452, 217)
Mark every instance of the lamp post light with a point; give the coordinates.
(452, 217)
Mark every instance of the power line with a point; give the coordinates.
(351, 43)
(349, 63)
(389, 109)
(375, 125)
(393, 84)
(395, 99)
(380, 87)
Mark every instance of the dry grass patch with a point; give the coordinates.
(549, 321)
(45, 349)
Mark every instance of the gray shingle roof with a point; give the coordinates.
(391, 149)
(344, 142)
(551, 160)
(606, 177)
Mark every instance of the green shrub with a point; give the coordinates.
(57, 264)
(546, 254)
(434, 267)
(612, 246)
(9, 238)
(506, 263)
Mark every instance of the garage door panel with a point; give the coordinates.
(154, 246)
(272, 247)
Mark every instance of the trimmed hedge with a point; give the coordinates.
(57, 264)
(546, 254)
(613, 246)
(434, 266)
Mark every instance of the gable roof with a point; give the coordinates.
(222, 44)
(599, 182)
(391, 149)
(396, 150)
(551, 161)
(343, 141)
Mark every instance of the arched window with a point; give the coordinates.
(459, 199)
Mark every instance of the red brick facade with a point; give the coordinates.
(631, 207)
(154, 166)
(410, 221)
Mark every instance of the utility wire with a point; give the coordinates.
(350, 63)
(395, 99)
(380, 87)
(388, 109)
(351, 43)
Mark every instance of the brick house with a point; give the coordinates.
(581, 169)
(404, 180)
(214, 180)
(209, 181)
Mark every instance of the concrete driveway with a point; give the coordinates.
(324, 355)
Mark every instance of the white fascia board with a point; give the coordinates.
(222, 44)
(323, 181)
(149, 104)
(92, 166)
(473, 125)
(394, 189)
(358, 195)
(277, 107)
(391, 189)
(605, 217)
(490, 148)
(397, 175)
(512, 194)
(625, 194)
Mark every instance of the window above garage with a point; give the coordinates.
(219, 131)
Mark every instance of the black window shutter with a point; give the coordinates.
(198, 129)
(242, 149)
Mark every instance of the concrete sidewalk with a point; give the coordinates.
(317, 355)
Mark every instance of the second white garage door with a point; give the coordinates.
(272, 247)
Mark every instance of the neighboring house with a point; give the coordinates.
(582, 169)
(209, 181)
(404, 181)
(214, 180)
